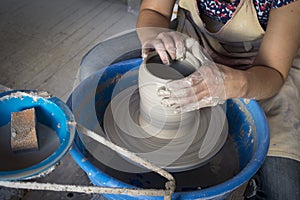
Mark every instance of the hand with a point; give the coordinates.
(169, 45)
(203, 88)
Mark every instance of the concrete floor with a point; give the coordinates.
(42, 44)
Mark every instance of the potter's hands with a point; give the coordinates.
(169, 46)
(203, 88)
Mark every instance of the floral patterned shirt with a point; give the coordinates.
(222, 11)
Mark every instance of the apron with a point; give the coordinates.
(231, 45)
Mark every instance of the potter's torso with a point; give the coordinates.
(239, 38)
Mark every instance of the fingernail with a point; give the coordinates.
(177, 110)
(165, 102)
(166, 61)
(180, 56)
(163, 92)
(144, 55)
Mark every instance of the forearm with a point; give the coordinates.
(150, 24)
(263, 82)
(154, 18)
(258, 82)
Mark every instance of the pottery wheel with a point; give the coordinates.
(196, 143)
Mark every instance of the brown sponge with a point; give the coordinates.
(23, 131)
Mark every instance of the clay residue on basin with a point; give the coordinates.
(34, 95)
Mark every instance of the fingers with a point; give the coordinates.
(203, 88)
(160, 49)
(174, 101)
(169, 45)
(159, 46)
(191, 104)
(179, 44)
(185, 97)
(145, 50)
(187, 104)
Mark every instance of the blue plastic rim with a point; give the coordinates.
(247, 126)
(51, 112)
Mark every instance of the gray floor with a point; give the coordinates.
(42, 44)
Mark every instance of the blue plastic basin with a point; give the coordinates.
(52, 113)
(247, 126)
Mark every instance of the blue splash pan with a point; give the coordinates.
(55, 134)
(248, 128)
